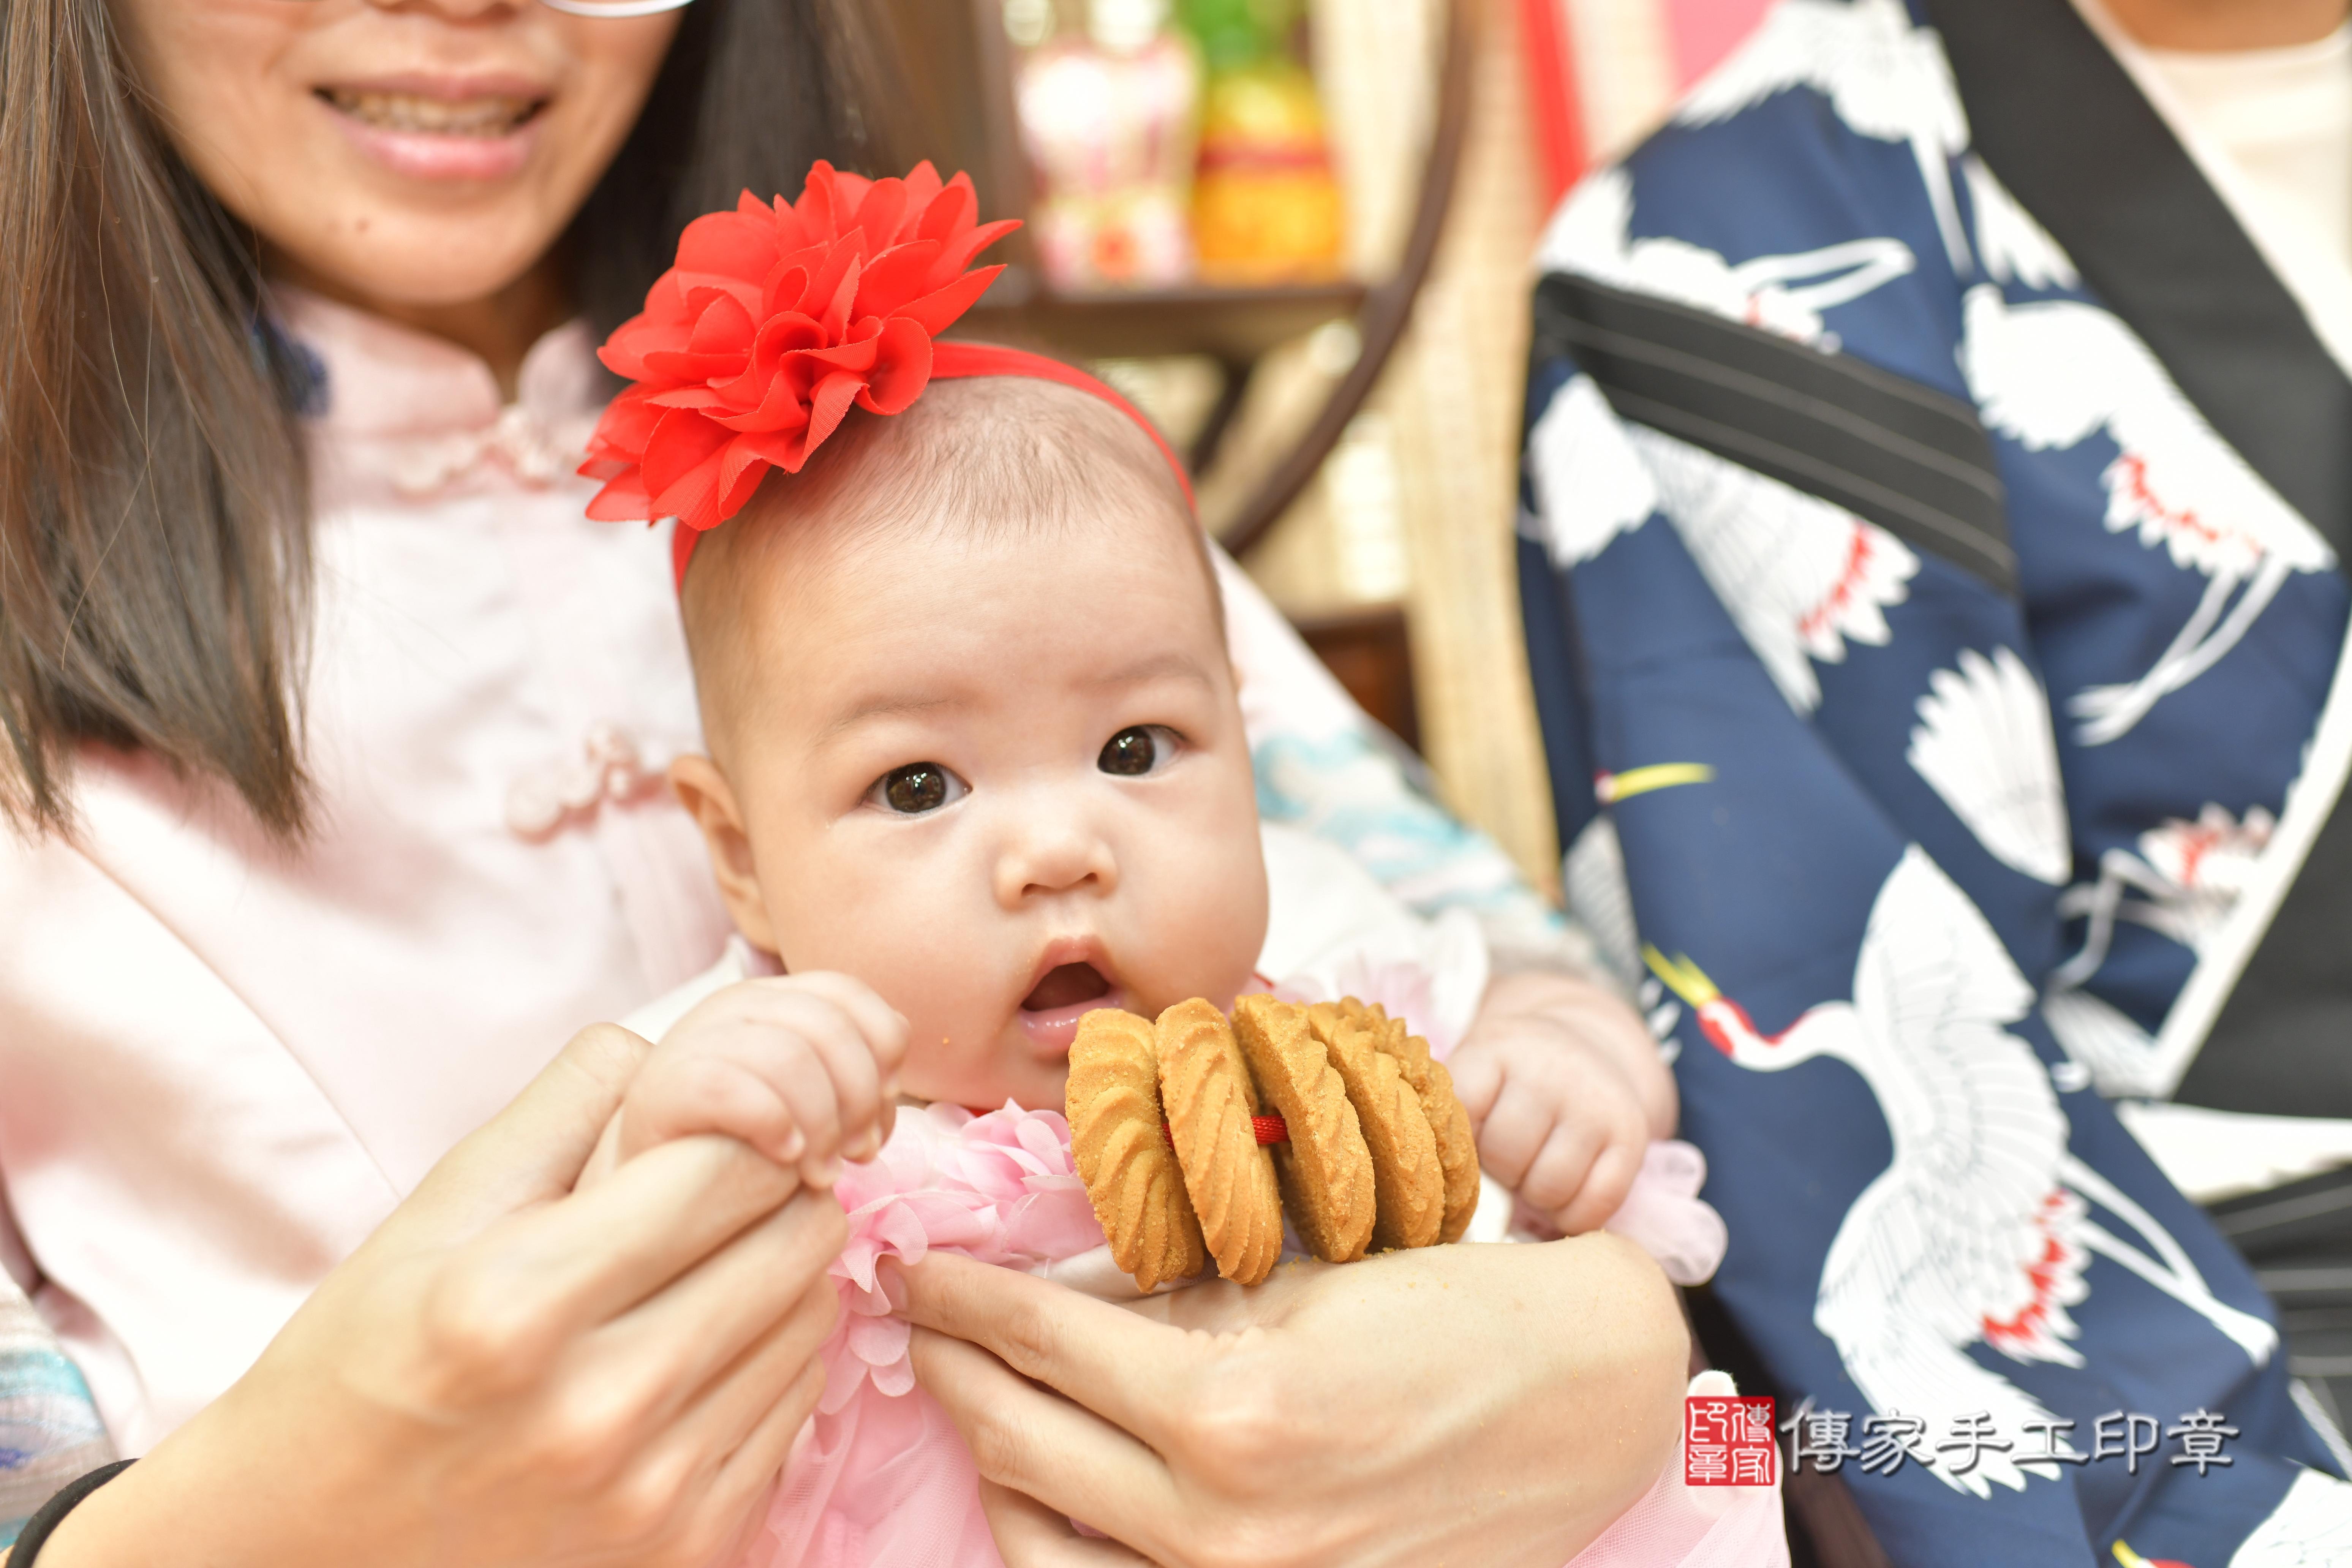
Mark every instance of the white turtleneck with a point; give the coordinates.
(2284, 117)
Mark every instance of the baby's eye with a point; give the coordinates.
(916, 788)
(1137, 750)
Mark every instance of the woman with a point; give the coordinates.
(293, 377)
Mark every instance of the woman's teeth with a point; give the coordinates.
(484, 117)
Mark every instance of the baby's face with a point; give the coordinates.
(1001, 780)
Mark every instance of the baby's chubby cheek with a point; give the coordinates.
(1208, 925)
(957, 993)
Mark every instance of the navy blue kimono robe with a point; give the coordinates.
(1933, 513)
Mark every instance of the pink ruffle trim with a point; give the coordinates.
(880, 1479)
(999, 1187)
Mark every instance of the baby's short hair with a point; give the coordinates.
(985, 455)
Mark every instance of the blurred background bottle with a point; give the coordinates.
(1108, 102)
(1265, 206)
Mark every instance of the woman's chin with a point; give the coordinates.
(410, 261)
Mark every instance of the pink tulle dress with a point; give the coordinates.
(879, 1476)
(881, 1480)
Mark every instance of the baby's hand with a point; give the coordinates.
(1564, 1085)
(802, 1067)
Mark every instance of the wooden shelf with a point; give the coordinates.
(1370, 650)
(1235, 325)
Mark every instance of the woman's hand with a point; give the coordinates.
(512, 1373)
(1496, 1405)
(1563, 1083)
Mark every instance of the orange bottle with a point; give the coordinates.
(1265, 206)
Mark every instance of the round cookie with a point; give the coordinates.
(1131, 1174)
(1326, 1168)
(1457, 1144)
(1206, 1091)
(1408, 1182)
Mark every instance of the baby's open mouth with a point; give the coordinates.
(487, 117)
(1066, 986)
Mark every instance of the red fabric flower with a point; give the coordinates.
(774, 320)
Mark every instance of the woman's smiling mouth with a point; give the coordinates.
(486, 116)
(430, 128)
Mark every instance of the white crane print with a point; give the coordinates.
(2310, 1528)
(1784, 294)
(1983, 743)
(1800, 576)
(1885, 79)
(2052, 373)
(1978, 1229)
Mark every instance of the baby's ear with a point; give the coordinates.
(703, 790)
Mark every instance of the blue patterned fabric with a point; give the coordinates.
(1902, 861)
(1350, 786)
(50, 1431)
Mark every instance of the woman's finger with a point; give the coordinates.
(533, 1150)
(538, 1276)
(1123, 1367)
(1030, 1535)
(726, 1412)
(744, 1488)
(686, 1340)
(673, 1499)
(1036, 1442)
(756, 1459)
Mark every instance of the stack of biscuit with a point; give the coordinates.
(1170, 1123)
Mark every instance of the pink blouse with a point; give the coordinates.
(223, 1063)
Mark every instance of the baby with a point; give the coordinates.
(977, 767)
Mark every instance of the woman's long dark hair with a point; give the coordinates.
(154, 562)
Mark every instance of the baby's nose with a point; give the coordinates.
(1049, 852)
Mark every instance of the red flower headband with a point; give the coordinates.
(776, 319)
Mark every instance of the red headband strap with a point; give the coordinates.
(966, 361)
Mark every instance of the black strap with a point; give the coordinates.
(47, 1518)
(2282, 1045)
(1908, 457)
(2068, 131)
(2299, 1239)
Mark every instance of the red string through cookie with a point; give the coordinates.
(1266, 1129)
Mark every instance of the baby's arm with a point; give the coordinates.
(802, 1067)
(1565, 1087)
